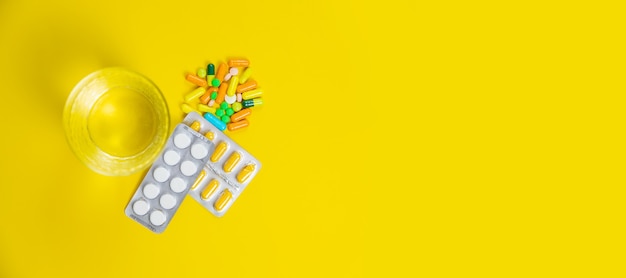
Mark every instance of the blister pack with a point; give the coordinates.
(171, 176)
(227, 172)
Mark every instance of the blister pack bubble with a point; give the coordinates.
(168, 181)
(228, 171)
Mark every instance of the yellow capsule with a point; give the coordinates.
(252, 94)
(187, 108)
(219, 151)
(209, 135)
(195, 94)
(245, 173)
(223, 200)
(209, 189)
(232, 161)
(245, 75)
(232, 85)
(198, 180)
(205, 108)
(195, 126)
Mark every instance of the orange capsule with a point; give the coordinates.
(196, 80)
(207, 96)
(221, 72)
(242, 114)
(221, 93)
(238, 63)
(249, 85)
(238, 125)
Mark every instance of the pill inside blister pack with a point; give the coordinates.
(228, 171)
(165, 185)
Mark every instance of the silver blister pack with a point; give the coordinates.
(228, 171)
(170, 178)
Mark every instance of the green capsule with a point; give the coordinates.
(251, 102)
(210, 69)
(224, 105)
(215, 82)
(229, 112)
(214, 95)
(225, 119)
(219, 112)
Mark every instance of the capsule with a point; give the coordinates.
(221, 72)
(238, 125)
(210, 69)
(232, 161)
(238, 63)
(232, 86)
(197, 182)
(245, 173)
(245, 75)
(205, 108)
(201, 82)
(252, 94)
(223, 200)
(195, 126)
(206, 97)
(242, 114)
(195, 94)
(187, 108)
(209, 189)
(251, 84)
(251, 102)
(221, 93)
(219, 151)
(210, 135)
(215, 121)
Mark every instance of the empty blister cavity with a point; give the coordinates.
(171, 158)
(151, 191)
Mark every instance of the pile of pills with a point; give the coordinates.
(226, 96)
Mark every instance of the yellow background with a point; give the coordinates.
(432, 139)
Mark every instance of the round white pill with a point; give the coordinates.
(199, 151)
(230, 99)
(141, 207)
(233, 71)
(151, 191)
(182, 140)
(157, 218)
(188, 168)
(171, 158)
(167, 201)
(161, 174)
(178, 185)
